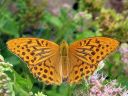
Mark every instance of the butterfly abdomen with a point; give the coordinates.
(65, 67)
(64, 59)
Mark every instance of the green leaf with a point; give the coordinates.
(53, 20)
(85, 34)
(8, 24)
(22, 86)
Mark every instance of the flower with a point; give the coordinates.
(5, 81)
(58, 5)
(83, 18)
(98, 88)
(124, 53)
(125, 93)
(83, 15)
(40, 94)
(97, 85)
(123, 48)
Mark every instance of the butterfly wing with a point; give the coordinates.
(84, 56)
(41, 56)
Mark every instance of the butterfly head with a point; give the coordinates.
(64, 48)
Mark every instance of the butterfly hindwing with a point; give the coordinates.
(85, 55)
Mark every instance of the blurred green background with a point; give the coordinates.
(56, 21)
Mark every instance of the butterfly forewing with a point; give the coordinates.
(42, 57)
(84, 56)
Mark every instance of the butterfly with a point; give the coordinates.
(53, 64)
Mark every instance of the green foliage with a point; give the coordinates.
(8, 25)
(32, 18)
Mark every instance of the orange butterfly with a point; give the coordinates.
(52, 63)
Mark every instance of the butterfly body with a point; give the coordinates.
(53, 64)
(64, 48)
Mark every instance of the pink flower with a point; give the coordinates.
(123, 48)
(125, 93)
(99, 89)
(124, 52)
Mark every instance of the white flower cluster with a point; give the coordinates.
(40, 94)
(4, 79)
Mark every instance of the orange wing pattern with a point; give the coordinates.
(42, 57)
(84, 56)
